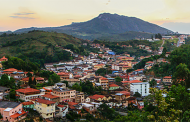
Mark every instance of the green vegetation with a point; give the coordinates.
(103, 71)
(17, 63)
(39, 46)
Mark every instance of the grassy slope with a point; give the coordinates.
(35, 41)
(126, 36)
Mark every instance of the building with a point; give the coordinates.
(12, 111)
(28, 93)
(26, 105)
(98, 66)
(79, 97)
(51, 97)
(167, 80)
(139, 86)
(104, 83)
(4, 91)
(61, 110)
(45, 107)
(64, 94)
(113, 87)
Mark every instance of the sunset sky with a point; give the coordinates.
(16, 14)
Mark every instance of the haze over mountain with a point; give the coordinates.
(104, 25)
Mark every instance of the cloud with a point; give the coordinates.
(23, 13)
(20, 17)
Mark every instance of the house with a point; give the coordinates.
(65, 75)
(97, 97)
(26, 80)
(12, 111)
(40, 80)
(139, 86)
(61, 110)
(71, 82)
(79, 97)
(98, 66)
(113, 87)
(4, 91)
(87, 99)
(138, 71)
(167, 80)
(64, 94)
(28, 93)
(104, 83)
(45, 107)
(51, 97)
(89, 107)
(26, 105)
(3, 59)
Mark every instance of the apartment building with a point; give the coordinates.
(28, 93)
(64, 94)
(45, 107)
(141, 87)
(12, 111)
(104, 83)
(79, 97)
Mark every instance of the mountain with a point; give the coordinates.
(105, 24)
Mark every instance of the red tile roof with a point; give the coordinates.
(62, 73)
(17, 114)
(43, 101)
(39, 78)
(103, 78)
(168, 77)
(96, 96)
(10, 70)
(133, 81)
(50, 96)
(72, 103)
(27, 103)
(139, 70)
(27, 90)
(27, 79)
(113, 85)
(59, 105)
(125, 93)
(149, 62)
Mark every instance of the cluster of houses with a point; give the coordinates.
(58, 100)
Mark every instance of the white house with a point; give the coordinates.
(141, 87)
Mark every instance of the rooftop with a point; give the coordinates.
(7, 104)
(27, 90)
(39, 100)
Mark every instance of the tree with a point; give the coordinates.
(77, 87)
(30, 82)
(137, 94)
(88, 87)
(34, 81)
(106, 112)
(156, 36)
(159, 36)
(66, 82)
(118, 79)
(55, 78)
(29, 74)
(153, 83)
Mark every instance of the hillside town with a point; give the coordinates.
(81, 85)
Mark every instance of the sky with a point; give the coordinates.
(16, 14)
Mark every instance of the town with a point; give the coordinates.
(82, 86)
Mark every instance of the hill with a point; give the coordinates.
(40, 46)
(105, 24)
(126, 36)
